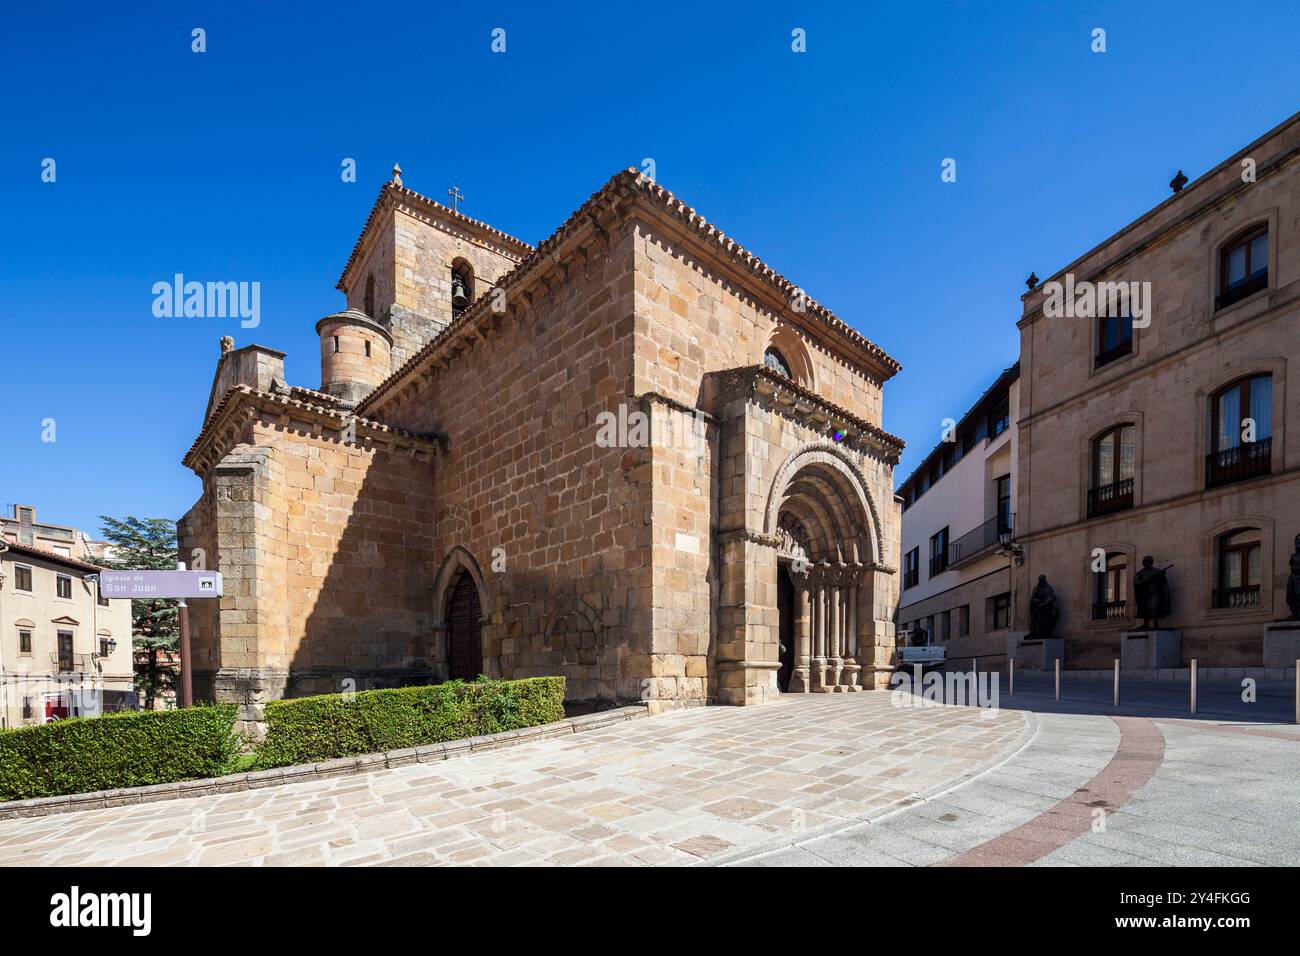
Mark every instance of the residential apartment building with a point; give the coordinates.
(1173, 432)
(956, 577)
(64, 650)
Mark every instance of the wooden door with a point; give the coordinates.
(465, 646)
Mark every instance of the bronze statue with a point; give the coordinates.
(1042, 609)
(1293, 584)
(1151, 588)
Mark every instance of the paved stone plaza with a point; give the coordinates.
(807, 780)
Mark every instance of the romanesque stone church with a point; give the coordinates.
(633, 455)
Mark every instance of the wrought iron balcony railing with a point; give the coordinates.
(1110, 611)
(1236, 597)
(1107, 499)
(70, 662)
(1248, 460)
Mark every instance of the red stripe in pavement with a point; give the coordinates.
(1139, 754)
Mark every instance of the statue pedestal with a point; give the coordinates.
(1281, 643)
(1150, 650)
(1037, 653)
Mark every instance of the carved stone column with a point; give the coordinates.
(821, 645)
(836, 599)
(850, 678)
(800, 678)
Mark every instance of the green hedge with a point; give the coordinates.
(311, 729)
(136, 749)
(130, 749)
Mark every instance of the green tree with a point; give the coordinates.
(147, 544)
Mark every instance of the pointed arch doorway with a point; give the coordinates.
(464, 637)
(462, 608)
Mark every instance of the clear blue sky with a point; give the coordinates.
(225, 165)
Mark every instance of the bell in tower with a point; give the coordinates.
(462, 289)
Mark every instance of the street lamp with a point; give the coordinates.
(1008, 546)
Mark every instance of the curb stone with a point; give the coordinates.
(342, 767)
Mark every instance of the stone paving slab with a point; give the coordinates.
(807, 781)
(677, 789)
(1218, 797)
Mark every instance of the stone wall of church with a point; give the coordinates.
(357, 529)
(324, 549)
(556, 521)
(690, 322)
(683, 601)
(380, 263)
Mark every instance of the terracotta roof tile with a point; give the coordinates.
(237, 392)
(50, 556)
(632, 180)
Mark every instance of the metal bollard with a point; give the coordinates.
(1011, 690)
(1117, 682)
(1058, 678)
(1193, 685)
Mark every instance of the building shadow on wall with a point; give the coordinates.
(358, 573)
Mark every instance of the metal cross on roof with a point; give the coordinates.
(456, 197)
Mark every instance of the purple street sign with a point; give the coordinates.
(160, 584)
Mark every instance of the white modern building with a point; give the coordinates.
(956, 576)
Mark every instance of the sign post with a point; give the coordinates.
(187, 672)
(182, 584)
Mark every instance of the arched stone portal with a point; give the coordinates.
(807, 542)
(826, 542)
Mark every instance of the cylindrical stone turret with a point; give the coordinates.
(355, 354)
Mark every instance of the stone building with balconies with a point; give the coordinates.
(1158, 416)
